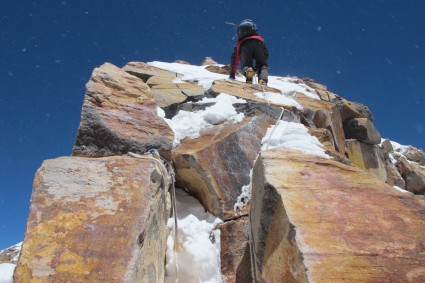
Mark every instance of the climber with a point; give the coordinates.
(249, 47)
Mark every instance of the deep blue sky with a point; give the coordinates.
(368, 51)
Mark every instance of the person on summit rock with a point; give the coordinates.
(249, 47)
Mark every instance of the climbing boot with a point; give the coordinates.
(249, 73)
(262, 82)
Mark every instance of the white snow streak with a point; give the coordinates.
(198, 257)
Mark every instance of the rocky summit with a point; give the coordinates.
(304, 185)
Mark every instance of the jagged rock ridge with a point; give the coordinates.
(310, 219)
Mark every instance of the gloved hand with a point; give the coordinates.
(232, 76)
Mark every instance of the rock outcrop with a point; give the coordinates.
(362, 130)
(11, 254)
(366, 157)
(96, 220)
(215, 166)
(289, 216)
(317, 220)
(119, 115)
(325, 115)
(235, 255)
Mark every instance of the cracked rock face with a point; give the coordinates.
(317, 220)
(119, 116)
(362, 130)
(95, 220)
(215, 166)
(167, 94)
(11, 254)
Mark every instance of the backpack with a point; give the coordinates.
(246, 28)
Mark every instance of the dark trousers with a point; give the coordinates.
(255, 50)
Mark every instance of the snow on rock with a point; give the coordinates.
(398, 147)
(292, 135)
(6, 272)
(278, 99)
(190, 73)
(223, 98)
(289, 85)
(198, 254)
(11, 255)
(288, 135)
(400, 189)
(190, 124)
(245, 195)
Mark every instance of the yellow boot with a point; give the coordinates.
(262, 82)
(249, 73)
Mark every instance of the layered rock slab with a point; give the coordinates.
(171, 93)
(235, 251)
(11, 254)
(215, 166)
(242, 90)
(413, 174)
(145, 71)
(323, 114)
(317, 220)
(119, 115)
(362, 129)
(367, 157)
(96, 220)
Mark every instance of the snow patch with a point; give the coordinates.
(189, 124)
(277, 98)
(288, 135)
(245, 195)
(191, 73)
(400, 189)
(6, 272)
(198, 255)
(392, 158)
(289, 86)
(292, 135)
(398, 147)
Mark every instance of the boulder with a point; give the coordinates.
(96, 220)
(414, 154)
(182, 62)
(145, 71)
(350, 110)
(323, 114)
(172, 93)
(413, 175)
(215, 166)
(223, 70)
(317, 220)
(386, 148)
(366, 157)
(208, 61)
(154, 80)
(415, 181)
(119, 115)
(394, 177)
(320, 89)
(403, 165)
(235, 251)
(363, 109)
(362, 129)
(11, 254)
(324, 136)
